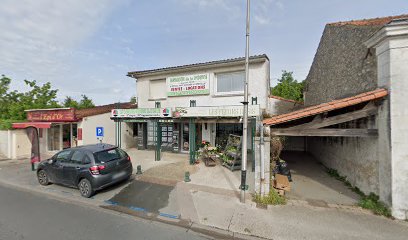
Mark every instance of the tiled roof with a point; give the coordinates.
(325, 107)
(285, 99)
(369, 22)
(87, 112)
(194, 65)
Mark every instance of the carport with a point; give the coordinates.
(339, 120)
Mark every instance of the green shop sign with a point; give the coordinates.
(197, 84)
(141, 113)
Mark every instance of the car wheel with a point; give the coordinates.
(42, 177)
(85, 188)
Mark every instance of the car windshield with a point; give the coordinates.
(108, 155)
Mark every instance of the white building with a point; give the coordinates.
(199, 102)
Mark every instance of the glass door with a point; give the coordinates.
(185, 144)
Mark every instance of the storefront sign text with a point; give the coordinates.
(197, 84)
(219, 111)
(58, 115)
(141, 113)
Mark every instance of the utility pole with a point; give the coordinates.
(245, 117)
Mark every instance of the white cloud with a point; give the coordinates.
(39, 37)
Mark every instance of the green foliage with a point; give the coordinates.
(70, 102)
(288, 87)
(5, 124)
(273, 198)
(13, 103)
(85, 102)
(133, 99)
(373, 203)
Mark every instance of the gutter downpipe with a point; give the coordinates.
(262, 150)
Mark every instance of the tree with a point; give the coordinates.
(38, 97)
(288, 87)
(133, 99)
(85, 102)
(70, 102)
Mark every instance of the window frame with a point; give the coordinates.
(153, 98)
(230, 93)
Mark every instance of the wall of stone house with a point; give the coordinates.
(353, 157)
(343, 66)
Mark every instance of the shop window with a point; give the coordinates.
(230, 82)
(157, 89)
(53, 138)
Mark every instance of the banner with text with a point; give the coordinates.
(217, 111)
(141, 113)
(197, 84)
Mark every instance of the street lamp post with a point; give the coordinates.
(245, 117)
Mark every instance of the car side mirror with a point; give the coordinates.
(51, 161)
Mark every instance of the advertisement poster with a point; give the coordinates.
(197, 84)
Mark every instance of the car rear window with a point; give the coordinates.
(108, 155)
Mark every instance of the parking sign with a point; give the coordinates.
(99, 131)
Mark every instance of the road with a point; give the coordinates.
(25, 215)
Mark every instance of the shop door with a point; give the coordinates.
(185, 137)
(66, 136)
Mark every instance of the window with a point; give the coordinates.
(63, 156)
(86, 160)
(157, 89)
(230, 82)
(108, 155)
(77, 157)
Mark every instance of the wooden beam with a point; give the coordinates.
(346, 117)
(325, 132)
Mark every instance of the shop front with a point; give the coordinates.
(57, 128)
(183, 129)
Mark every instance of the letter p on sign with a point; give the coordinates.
(99, 131)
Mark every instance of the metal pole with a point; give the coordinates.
(245, 117)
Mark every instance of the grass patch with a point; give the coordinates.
(272, 198)
(371, 202)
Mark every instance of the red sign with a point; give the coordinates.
(56, 115)
(79, 133)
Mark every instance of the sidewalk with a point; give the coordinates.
(203, 208)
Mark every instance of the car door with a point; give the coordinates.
(57, 165)
(73, 167)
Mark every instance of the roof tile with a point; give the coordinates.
(329, 106)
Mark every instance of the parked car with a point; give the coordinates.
(88, 168)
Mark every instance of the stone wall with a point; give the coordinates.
(343, 66)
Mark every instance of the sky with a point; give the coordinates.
(88, 46)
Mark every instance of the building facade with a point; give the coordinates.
(355, 114)
(180, 107)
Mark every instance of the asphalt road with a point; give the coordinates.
(25, 215)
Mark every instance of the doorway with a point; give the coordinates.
(185, 137)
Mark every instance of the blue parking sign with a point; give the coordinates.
(99, 131)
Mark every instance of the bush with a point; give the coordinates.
(272, 198)
(5, 124)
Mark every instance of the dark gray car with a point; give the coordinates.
(88, 168)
